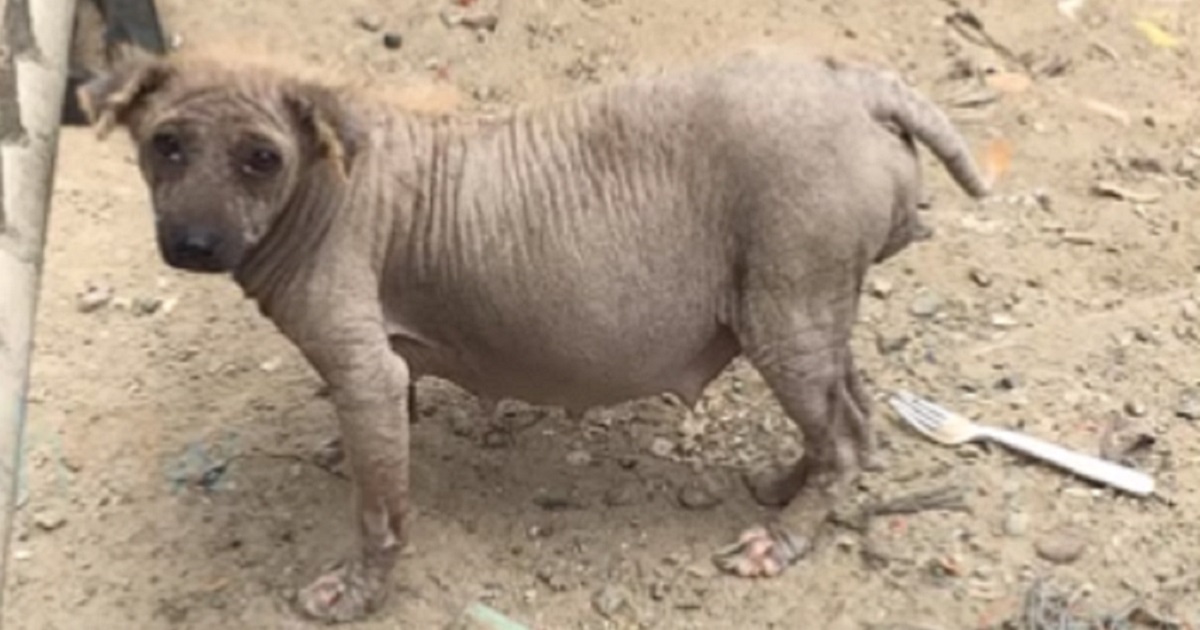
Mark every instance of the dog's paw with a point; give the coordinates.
(346, 593)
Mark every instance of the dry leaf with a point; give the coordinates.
(1156, 35)
(997, 159)
(1111, 111)
(1009, 82)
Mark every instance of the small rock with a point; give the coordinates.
(271, 365)
(462, 424)
(1003, 321)
(925, 305)
(1016, 524)
(1135, 408)
(556, 502)
(579, 458)
(93, 299)
(1008, 382)
(22, 554)
(623, 494)
(1189, 405)
(890, 344)
(662, 447)
(369, 23)
(1062, 547)
(880, 288)
(146, 306)
(481, 21)
(552, 576)
(611, 601)
(393, 40)
(474, 20)
(699, 496)
(981, 278)
(49, 520)
(1190, 311)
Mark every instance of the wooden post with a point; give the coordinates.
(35, 37)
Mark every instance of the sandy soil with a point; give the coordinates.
(170, 484)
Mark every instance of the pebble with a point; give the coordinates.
(610, 601)
(1062, 547)
(1135, 408)
(1016, 524)
(1008, 383)
(1190, 311)
(146, 306)
(1003, 321)
(462, 424)
(93, 299)
(49, 520)
(552, 576)
(662, 447)
(622, 494)
(880, 288)
(889, 344)
(926, 304)
(271, 365)
(556, 502)
(393, 41)
(369, 23)
(1189, 405)
(579, 458)
(22, 554)
(981, 278)
(698, 496)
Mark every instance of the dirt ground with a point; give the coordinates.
(169, 477)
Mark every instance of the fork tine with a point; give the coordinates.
(932, 411)
(930, 415)
(911, 415)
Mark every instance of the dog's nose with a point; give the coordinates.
(193, 248)
(197, 244)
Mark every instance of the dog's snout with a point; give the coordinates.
(193, 248)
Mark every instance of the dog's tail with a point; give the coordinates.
(890, 100)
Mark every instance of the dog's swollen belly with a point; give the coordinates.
(580, 371)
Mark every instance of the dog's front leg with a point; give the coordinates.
(369, 385)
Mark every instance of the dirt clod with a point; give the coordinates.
(926, 304)
(93, 298)
(612, 602)
(49, 520)
(1189, 404)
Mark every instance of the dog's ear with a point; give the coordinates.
(320, 114)
(111, 98)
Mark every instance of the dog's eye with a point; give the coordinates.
(261, 162)
(168, 146)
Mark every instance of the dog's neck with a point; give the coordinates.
(282, 256)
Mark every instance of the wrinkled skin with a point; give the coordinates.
(624, 242)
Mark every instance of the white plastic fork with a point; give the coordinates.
(947, 427)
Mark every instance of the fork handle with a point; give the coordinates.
(1094, 468)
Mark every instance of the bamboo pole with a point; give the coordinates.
(35, 37)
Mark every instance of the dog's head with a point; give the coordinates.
(223, 151)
